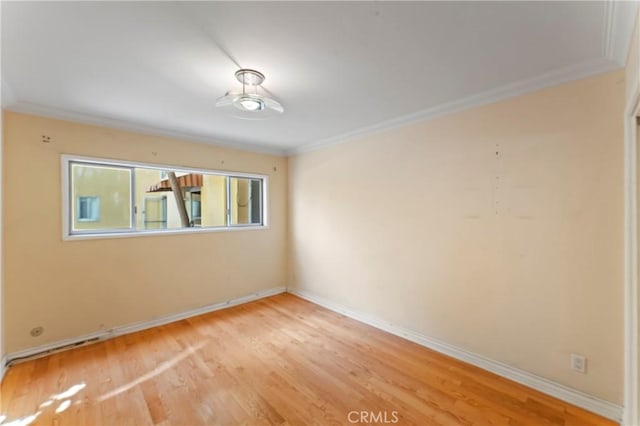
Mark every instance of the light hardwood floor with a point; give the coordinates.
(280, 360)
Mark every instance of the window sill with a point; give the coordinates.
(153, 233)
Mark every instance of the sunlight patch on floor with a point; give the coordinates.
(46, 403)
(69, 392)
(23, 421)
(63, 406)
(64, 396)
(151, 374)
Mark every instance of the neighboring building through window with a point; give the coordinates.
(195, 206)
(103, 194)
(114, 197)
(246, 205)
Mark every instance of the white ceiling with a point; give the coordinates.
(339, 68)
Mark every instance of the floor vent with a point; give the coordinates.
(44, 353)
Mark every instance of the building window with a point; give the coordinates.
(114, 197)
(88, 209)
(155, 212)
(196, 206)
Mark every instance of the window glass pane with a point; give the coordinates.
(154, 213)
(151, 200)
(213, 201)
(116, 197)
(203, 197)
(245, 201)
(153, 183)
(256, 201)
(196, 207)
(100, 197)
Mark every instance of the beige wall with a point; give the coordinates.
(2, 323)
(498, 230)
(76, 287)
(632, 71)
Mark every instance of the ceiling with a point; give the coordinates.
(340, 69)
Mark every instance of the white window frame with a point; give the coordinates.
(69, 234)
(71, 214)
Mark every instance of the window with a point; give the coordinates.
(88, 209)
(105, 197)
(196, 206)
(155, 212)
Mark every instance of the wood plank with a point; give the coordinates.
(280, 360)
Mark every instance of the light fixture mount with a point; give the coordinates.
(249, 77)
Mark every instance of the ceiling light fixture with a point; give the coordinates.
(250, 102)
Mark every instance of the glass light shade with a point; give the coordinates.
(250, 103)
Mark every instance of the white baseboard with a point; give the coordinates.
(44, 350)
(565, 393)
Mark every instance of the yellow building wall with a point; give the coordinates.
(239, 201)
(76, 287)
(213, 198)
(233, 202)
(112, 188)
(242, 200)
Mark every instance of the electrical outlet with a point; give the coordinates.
(36, 331)
(578, 363)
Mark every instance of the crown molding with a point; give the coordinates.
(562, 75)
(619, 22)
(607, 28)
(77, 117)
(618, 25)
